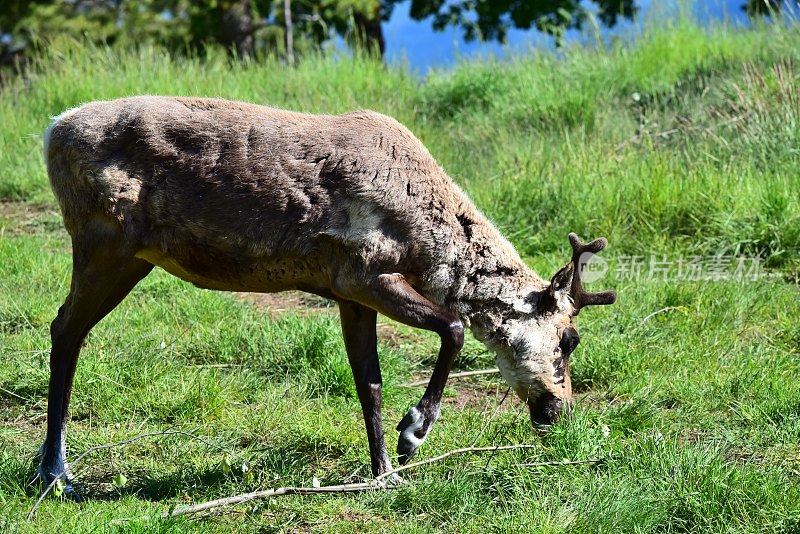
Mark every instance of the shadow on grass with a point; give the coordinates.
(22, 395)
(147, 486)
(286, 464)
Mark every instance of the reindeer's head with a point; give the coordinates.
(537, 338)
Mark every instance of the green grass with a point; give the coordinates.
(685, 143)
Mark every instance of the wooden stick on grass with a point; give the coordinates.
(464, 374)
(372, 485)
(275, 492)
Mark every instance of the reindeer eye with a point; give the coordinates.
(569, 340)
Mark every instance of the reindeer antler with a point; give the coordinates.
(580, 297)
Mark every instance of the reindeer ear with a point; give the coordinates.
(560, 285)
(562, 280)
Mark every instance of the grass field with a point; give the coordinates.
(679, 147)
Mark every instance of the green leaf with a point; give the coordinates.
(59, 487)
(227, 464)
(119, 480)
(247, 473)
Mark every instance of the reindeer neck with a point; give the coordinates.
(486, 279)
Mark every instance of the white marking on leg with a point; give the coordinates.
(407, 434)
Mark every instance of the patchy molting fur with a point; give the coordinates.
(236, 196)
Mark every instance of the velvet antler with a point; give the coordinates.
(580, 297)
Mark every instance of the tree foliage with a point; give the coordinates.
(246, 27)
(253, 27)
(491, 19)
(23, 22)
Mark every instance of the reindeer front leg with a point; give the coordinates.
(394, 297)
(360, 340)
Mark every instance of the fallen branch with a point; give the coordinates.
(372, 485)
(589, 461)
(263, 494)
(110, 446)
(453, 375)
(465, 450)
(491, 418)
(11, 393)
(663, 310)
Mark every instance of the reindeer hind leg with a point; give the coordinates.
(104, 272)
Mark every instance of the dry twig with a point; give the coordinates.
(464, 374)
(263, 494)
(12, 394)
(590, 461)
(375, 484)
(492, 417)
(663, 310)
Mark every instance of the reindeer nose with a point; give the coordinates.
(546, 409)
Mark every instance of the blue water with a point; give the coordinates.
(416, 43)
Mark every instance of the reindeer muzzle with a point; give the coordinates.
(545, 409)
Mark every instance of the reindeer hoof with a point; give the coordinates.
(70, 494)
(64, 489)
(411, 435)
(392, 481)
(405, 452)
(66, 492)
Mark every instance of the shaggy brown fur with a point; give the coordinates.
(242, 197)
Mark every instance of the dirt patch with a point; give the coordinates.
(288, 302)
(693, 436)
(21, 423)
(304, 304)
(393, 336)
(24, 218)
(481, 395)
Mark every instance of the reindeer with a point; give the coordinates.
(239, 197)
